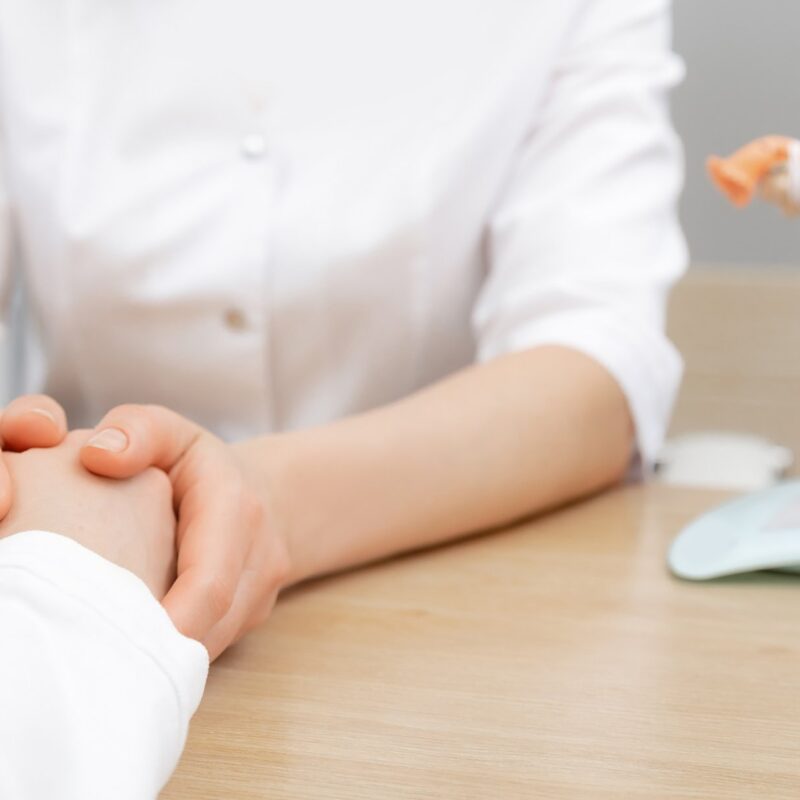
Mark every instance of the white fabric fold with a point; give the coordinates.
(97, 686)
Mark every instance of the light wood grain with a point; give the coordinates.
(738, 329)
(555, 660)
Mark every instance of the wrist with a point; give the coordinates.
(264, 462)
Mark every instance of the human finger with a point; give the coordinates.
(212, 548)
(254, 598)
(34, 420)
(131, 438)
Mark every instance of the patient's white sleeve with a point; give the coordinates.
(97, 686)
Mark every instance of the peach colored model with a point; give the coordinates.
(770, 164)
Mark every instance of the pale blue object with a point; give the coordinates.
(755, 532)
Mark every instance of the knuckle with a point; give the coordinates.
(251, 508)
(275, 566)
(219, 595)
(266, 603)
(261, 614)
(127, 409)
(281, 564)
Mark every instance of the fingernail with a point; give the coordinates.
(43, 412)
(112, 439)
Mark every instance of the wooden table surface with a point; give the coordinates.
(555, 660)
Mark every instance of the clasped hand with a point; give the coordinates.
(182, 512)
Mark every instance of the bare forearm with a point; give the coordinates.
(486, 446)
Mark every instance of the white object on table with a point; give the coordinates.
(723, 460)
(760, 531)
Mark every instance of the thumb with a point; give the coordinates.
(131, 438)
(28, 421)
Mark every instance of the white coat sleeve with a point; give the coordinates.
(97, 686)
(585, 243)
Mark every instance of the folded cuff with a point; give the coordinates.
(123, 602)
(642, 360)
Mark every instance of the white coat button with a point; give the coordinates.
(254, 146)
(235, 319)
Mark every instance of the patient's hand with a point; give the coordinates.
(129, 522)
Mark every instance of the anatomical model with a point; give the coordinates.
(770, 165)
